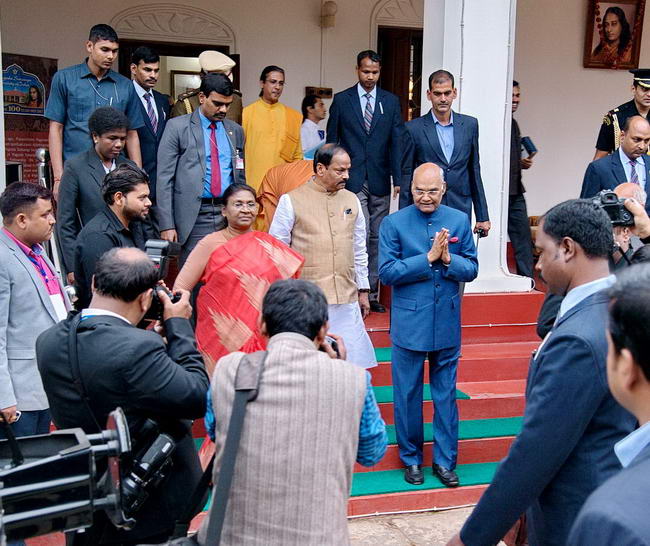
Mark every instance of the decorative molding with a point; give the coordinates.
(174, 22)
(396, 13)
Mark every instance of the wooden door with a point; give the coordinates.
(401, 66)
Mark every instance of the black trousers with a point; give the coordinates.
(519, 233)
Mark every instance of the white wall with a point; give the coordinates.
(280, 32)
(562, 103)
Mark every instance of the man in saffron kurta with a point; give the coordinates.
(272, 129)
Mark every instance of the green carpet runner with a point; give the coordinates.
(384, 395)
(392, 481)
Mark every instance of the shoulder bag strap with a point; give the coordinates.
(73, 360)
(247, 381)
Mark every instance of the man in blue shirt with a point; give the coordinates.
(448, 139)
(77, 91)
(199, 156)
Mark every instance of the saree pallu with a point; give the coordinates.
(237, 277)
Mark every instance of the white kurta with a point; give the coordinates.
(345, 318)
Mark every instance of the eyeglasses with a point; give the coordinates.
(429, 193)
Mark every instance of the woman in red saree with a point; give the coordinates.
(236, 265)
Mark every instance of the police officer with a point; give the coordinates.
(610, 131)
(211, 62)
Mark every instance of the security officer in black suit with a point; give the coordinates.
(614, 120)
(118, 364)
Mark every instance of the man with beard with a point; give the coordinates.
(126, 194)
(199, 156)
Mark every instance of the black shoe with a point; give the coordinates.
(448, 477)
(377, 307)
(413, 474)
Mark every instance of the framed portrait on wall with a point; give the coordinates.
(613, 37)
(183, 81)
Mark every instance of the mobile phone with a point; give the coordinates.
(335, 346)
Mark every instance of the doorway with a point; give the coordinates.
(401, 67)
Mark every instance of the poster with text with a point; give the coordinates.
(26, 84)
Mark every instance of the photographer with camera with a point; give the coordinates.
(97, 360)
(314, 414)
(121, 224)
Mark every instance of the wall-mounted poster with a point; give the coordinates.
(613, 38)
(26, 84)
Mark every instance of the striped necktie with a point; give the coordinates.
(367, 114)
(151, 113)
(634, 177)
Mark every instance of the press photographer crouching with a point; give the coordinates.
(118, 364)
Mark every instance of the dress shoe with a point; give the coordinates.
(413, 474)
(448, 477)
(377, 307)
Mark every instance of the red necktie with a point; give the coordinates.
(215, 168)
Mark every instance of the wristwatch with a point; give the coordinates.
(364, 290)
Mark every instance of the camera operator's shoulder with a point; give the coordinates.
(226, 368)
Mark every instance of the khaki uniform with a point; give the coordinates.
(188, 102)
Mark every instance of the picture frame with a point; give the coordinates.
(613, 34)
(182, 81)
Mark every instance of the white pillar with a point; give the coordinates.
(474, 40)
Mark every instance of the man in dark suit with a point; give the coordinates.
(629, 163)
(518, 223)
(80, 196)
(448, 139)
(199, 156)
(118, 364)
(565, 449)
(616, 513)
(425, 251)
(145, 70)
(367, 122)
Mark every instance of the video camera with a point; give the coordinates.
(614, 207)
(160, 253)
(51, 483)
